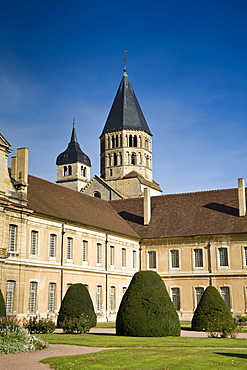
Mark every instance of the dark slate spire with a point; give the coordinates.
(125, 112)
(73, 153)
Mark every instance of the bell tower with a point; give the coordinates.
(126, 144)
(73, 166)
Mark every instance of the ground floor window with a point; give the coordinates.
(51, 297)
(112, 298)
(175, 293)
(32, 307)
(198, 295)
(98, 298)
(9, 302)
(225, 294)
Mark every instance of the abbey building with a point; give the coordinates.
(100, 230)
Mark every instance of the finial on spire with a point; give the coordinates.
(125, 60)
(74, 122)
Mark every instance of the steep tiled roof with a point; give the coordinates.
(58, 201)
(201, 213)
(125, 112)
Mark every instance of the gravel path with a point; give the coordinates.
(30, 360)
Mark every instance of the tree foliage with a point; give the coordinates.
(146, 309)
(77, 302)
(212, 313)
(2, 305)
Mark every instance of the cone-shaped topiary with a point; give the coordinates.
(146, 309)
(2, 305)
(77, 302)
(212, 313)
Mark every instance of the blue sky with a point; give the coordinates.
(187, 64)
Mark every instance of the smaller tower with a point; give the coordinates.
(73, 166)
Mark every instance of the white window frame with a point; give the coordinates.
(12, 245)
(112, 298)
(85, 252)
(52, 297)
(221, 257)
(226, 296)
(112, 256)
(34, 242)
(134, 259)
(198, 259)
(99, 298)
(53, 246)
(32, 304)
(152, 260)
(69, 251)
(124, 258)
(245, 256)
(176, 297)
(99, 254)
(10, 295)
(175, 259)
(197, 295)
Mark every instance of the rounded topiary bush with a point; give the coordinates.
(2, 305)
(212, 313)
(146, 309)
(77, 303)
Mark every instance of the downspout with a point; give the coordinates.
(209, 262)
(62, 247)
(140, 255)
(106, 277)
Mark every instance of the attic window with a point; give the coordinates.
(65, 158)
(97, 194)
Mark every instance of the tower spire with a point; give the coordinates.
(73, 135)
(125, 61)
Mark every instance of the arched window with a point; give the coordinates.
(97, 194)
(70, 170)
(115, 159)
(130, 141)
(65, 171)
(133, 159)
(135, 141)
(117, 142)
(120, 158)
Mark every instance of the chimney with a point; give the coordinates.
(241, 197)
(14, 168)
(147, 206)
(21, 169)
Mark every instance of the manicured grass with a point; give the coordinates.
(109, 324)
(95, 340)
(153, 359)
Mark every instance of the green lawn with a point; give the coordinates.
(153, 359)
(165, 353)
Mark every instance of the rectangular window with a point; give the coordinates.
(99, 254)
(123, 257)
(112, 255)
(34, 243)
(51, 297)
(174, 258)
(84, 251)
(198, 257)
(98, 298)
(223, 257)
(112, 298)
(225, 294)
(152, 260)
(10, 291)
(198, 295)
(124, 289)
(53, 245)
(245, 256)
(69, 248)
(176, 298)
(32, 307)
(134, 264)
(12, 238)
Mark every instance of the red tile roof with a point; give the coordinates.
(178, 215)
(60, 202)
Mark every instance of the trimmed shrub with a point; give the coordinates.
(77, 302)
(146, 309)
(2, 305)
(39, 325)
(213, 315)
